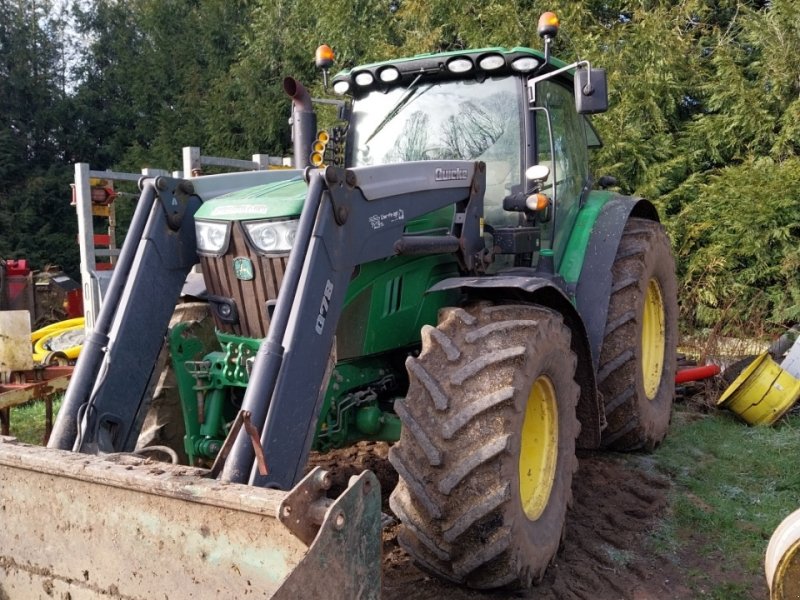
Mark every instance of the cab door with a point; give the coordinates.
(555, 115)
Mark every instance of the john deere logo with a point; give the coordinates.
(243, 268)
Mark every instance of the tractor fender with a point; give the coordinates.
(543, 291)
(593, 289)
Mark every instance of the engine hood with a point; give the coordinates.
(266, 201)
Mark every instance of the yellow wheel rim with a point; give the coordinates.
(653, 338)
(538, 448)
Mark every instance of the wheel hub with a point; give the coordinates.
(538, 448)
(653, 338)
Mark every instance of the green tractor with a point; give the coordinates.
(440, 275)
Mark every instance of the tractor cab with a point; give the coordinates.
(513, 109)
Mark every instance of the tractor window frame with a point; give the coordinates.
(593, 139)
(566, 160)
(503, 90)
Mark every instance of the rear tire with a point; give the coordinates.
(638, 360)
(487, 450)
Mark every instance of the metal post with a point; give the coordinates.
(148, 172)
(191, 160)
(83, 206)
(262, 160)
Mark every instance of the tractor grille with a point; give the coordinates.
(249, 297)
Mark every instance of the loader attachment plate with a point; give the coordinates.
(119, 526)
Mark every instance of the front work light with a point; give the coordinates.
(212, 237)
(389, 74)
(491, 62)
(459, 65)
(525, 64)
(271, 237)
(364, 78)
(341, 87)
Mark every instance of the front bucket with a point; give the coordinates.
(762, 393)
(782, 561)
(87, 527)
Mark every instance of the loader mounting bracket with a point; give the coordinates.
(174, 197)
(304, 508)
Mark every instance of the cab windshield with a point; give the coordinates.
(444, 120)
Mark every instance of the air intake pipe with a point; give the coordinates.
(304, 121)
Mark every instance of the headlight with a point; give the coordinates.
(272, 237)
(212, 237)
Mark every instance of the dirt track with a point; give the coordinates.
(613, 509)
(608, 552)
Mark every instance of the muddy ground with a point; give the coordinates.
(609, 552)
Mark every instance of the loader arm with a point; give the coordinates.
(108, 395)
(349, 217)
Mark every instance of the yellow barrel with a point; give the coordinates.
(762, 393)
(782, 562)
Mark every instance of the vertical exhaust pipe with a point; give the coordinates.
(304, 121)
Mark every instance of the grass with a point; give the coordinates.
(733, 485)
(28, 421)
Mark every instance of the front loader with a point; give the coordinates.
(440, 276)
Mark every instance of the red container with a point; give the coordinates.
(17, 267)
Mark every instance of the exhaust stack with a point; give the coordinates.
(304, 121)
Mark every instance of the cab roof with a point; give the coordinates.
(456, 64)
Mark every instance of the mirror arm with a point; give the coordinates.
(534, 80)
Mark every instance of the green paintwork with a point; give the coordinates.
(184, 348)
(575, 252)
(358, 403)
(386, 304)
(268, 201)
(212, 376)
(385, 309)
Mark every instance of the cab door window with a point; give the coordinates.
(569, 146)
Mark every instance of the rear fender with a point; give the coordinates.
(544, 292)
(593, 289)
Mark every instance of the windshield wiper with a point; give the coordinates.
(411, 92)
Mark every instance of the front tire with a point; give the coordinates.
(638, 360)
(487, 450)
(163, 424)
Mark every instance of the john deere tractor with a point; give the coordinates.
(438, 273)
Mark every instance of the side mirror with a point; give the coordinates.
(591, 91)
